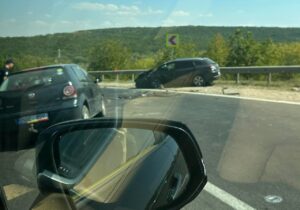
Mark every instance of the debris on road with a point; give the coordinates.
(227, 91)
(240, 90)
(297, 89)
(274, 199)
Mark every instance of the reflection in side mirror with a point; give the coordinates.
(134, 157)
(110, 166)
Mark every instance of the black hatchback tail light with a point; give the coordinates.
(69, 92)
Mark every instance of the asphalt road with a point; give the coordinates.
(251, 148)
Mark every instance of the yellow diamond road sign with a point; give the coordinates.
(172, 40)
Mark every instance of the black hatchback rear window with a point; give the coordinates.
(31, 79)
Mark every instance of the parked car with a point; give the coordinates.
(34, 99)
(180, 72)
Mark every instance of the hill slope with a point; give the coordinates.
(139, 40)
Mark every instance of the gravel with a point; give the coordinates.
(270, 93)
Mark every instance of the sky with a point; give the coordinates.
(35, 17)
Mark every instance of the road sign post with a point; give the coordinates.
(172, 41)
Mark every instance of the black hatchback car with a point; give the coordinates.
(34, 99)
(180, 72)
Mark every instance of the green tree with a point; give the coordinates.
(163, 55)
(187, 50)
(80, 60)
(243, 49)
(290, 55)
(30, 61)
(2, 60)
(182, 51)
(270, 54)
(145, 62)
(110, 55)
(218, 50)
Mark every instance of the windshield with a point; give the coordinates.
(31, 79)
(209, 61)
(229, 70)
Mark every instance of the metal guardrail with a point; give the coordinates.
(261, 69)
(269, 70)
(117, 73)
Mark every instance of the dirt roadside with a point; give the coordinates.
(247, 91)
(243, 91)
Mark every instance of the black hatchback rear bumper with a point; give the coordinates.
(16, 137)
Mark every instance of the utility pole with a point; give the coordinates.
(58, 55)
(173, 53)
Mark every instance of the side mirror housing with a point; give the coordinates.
(114, 161)
(98, 80)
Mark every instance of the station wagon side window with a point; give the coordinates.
(167, 67)
(199, 63)
(171, 66)
(184, 65)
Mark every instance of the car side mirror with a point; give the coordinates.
(112, 162)
(98, 80)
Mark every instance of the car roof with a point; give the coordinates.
(189, 59)
(44, 67)
(48, 67)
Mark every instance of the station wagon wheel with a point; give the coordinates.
(198, 81)
(85, 112)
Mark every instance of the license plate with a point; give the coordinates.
(33, 119)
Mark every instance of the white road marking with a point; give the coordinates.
(226, 198)
(231, 96)
(219, 95)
